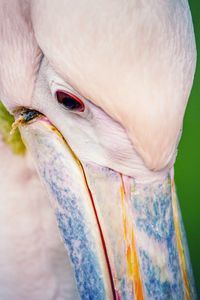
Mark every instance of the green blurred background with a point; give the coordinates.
(187, 167)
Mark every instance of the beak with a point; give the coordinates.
(118, 246)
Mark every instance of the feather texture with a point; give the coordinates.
(20, 54)
(134, 59)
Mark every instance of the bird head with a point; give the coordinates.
(99, 95)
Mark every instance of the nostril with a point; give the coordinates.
(30, 114)
(24, 116)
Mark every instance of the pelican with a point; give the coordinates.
(98, 90)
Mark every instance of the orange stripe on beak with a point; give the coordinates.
(133, 269)
(179, 243)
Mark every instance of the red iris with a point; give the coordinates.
(70, 101)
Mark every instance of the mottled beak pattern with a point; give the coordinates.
(125, 239)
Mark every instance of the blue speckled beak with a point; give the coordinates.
(124, 240)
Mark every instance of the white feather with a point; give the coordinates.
(135, 59)
(20, 54)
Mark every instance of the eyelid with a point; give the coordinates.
(66, 88)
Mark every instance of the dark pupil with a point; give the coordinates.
(71, 103)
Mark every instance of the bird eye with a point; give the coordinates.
(70, 101)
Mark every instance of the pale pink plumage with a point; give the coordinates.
(147, 94)
(134, 59)
(85, 44)
(20, 54)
